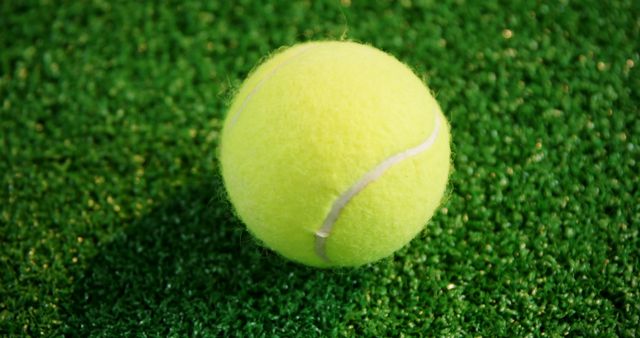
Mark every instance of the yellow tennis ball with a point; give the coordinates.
(334, 154)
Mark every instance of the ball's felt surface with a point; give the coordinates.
(306, 126)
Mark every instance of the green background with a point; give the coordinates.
(113, 219)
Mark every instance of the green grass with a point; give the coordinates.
(113, 220)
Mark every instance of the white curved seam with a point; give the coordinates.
(262, 82)
(339, 204)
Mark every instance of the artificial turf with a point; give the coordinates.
(113, 220)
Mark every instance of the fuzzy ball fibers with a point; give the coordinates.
(334, 153)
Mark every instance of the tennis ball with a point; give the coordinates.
(334, 153)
